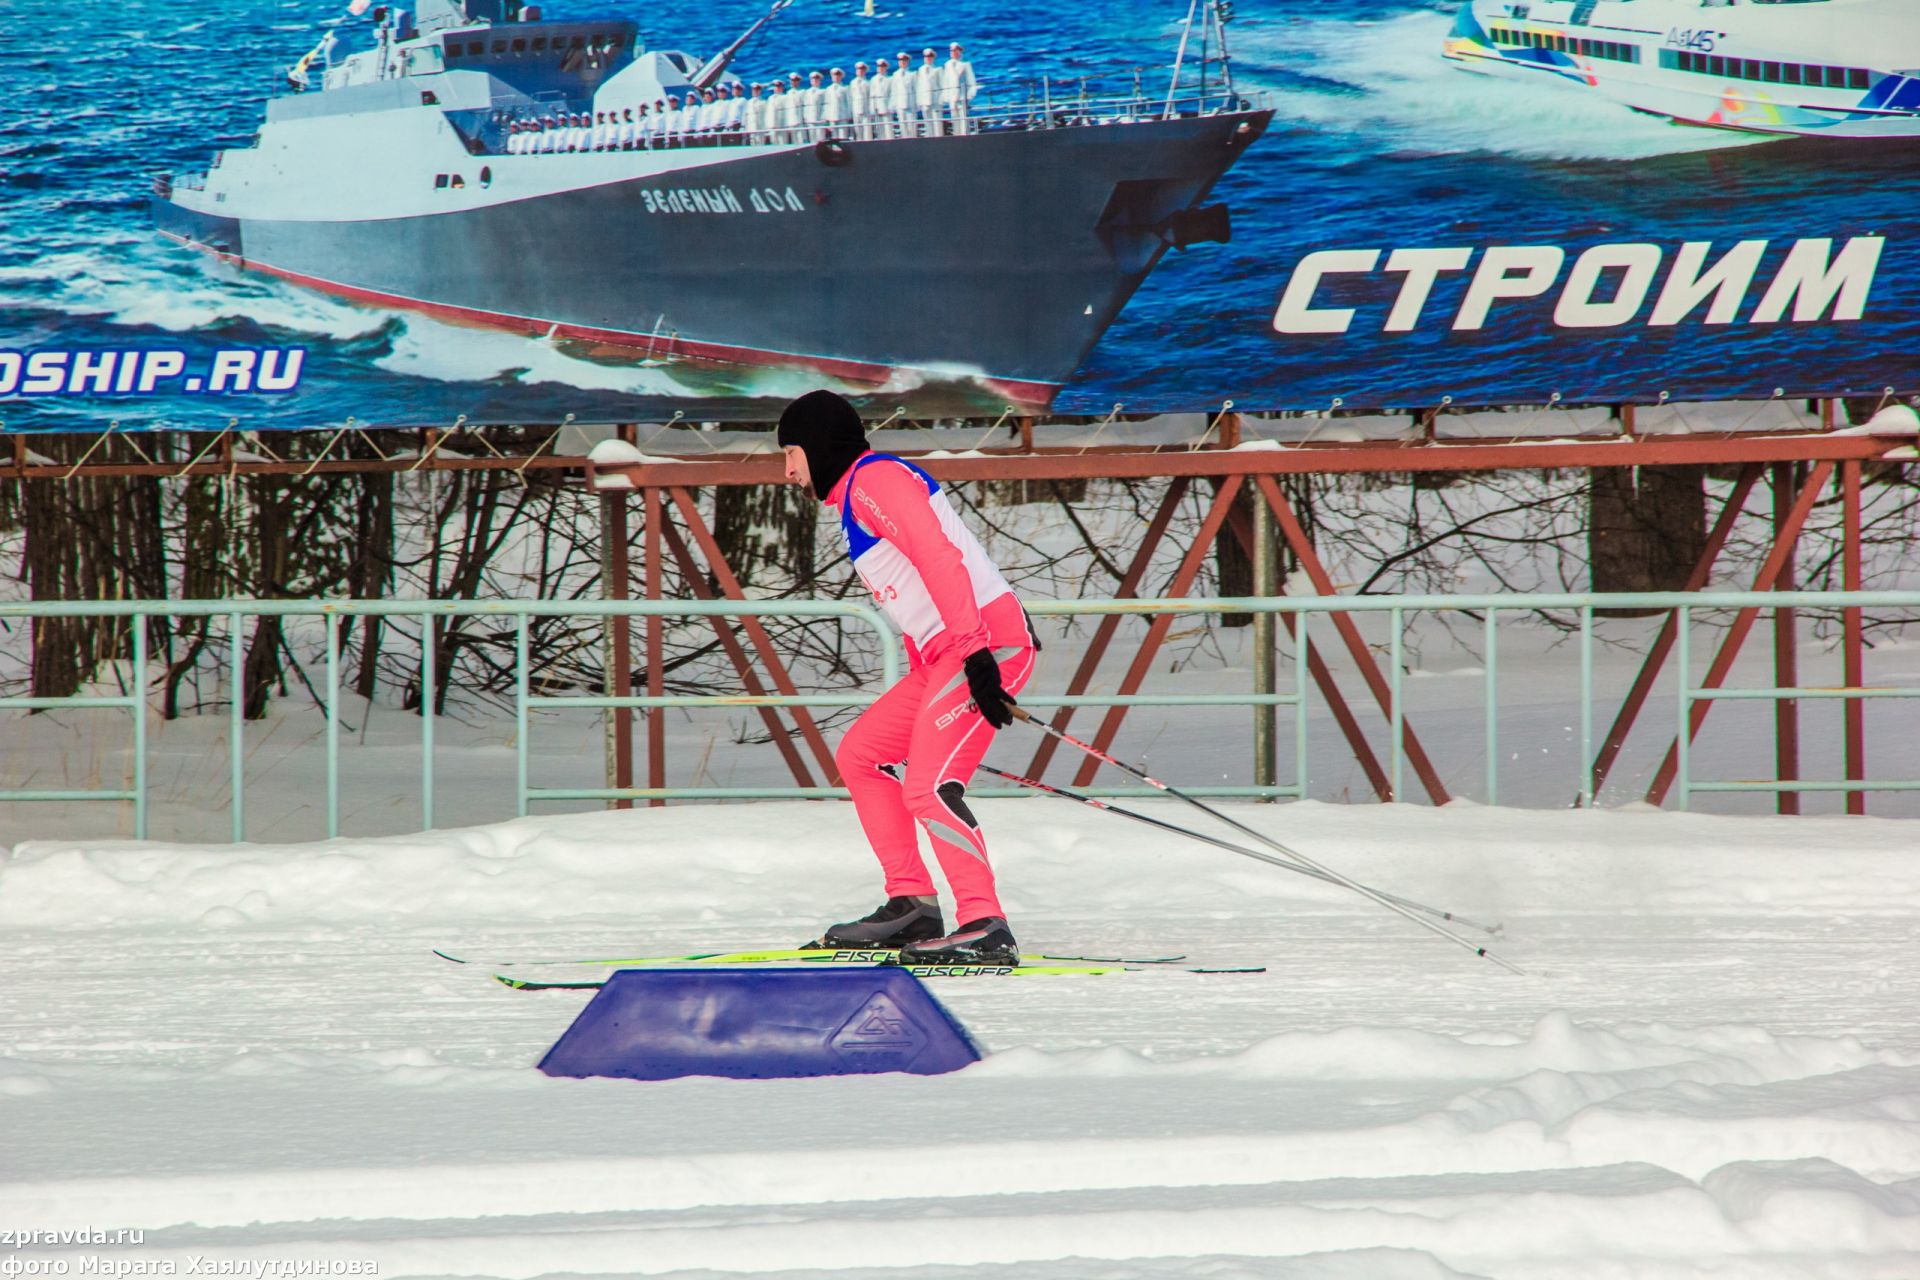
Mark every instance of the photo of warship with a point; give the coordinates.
(425, 174)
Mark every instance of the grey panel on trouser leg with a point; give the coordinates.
(954, 836)
(949, 687)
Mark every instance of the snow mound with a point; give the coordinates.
(1555, 1047)
(647, 866)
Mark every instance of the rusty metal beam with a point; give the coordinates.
(1157, 630)
(756, 633)
(742, 664)
(1663, 642)
(1385, 456)
(1030, 461)
(1309, 559)
(1742, 624)
(656, 655)
(1855, 643)
(1322, 674)
(1128, 588)
(1786, 663)
(619, 572)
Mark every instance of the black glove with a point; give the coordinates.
(983, 680)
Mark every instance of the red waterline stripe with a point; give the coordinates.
(666, 347)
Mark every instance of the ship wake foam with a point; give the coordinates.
(161, 287)
(1386, 83)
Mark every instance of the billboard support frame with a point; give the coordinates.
(1220, 459)
(1797, 466)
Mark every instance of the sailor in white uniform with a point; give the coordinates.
(815, 98)
(859, 100)
(880, 101)
(958, 86)
(753, 118)
(906, 100)
(927, 82)
(676, 122)
(836, 105)
(733, 115)
(779, 111)
(793, 107)
(706, 120)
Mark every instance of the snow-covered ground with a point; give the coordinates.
(1711, 1068)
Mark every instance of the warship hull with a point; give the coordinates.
(998, 256)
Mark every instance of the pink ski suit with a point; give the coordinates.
(908, 757)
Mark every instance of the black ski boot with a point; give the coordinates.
(984, 942)
(900, 921)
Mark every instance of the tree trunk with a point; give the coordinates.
(271, 503)
(1647, 528)
(1231, 561)
(204, 572)
(372, 571)
(88, 539)
(765, 531)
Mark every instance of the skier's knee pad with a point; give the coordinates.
(953, 796)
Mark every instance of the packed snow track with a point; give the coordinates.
(249, 1056)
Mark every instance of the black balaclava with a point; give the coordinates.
(828, 429)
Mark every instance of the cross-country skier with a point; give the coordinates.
(969, 647)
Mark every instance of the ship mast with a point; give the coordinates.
(1214, 18)
(1180, 56)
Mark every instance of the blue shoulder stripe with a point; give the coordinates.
(859, 541)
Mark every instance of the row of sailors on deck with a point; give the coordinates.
(914, 102)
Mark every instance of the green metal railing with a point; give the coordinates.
(1304, 609)
(332, 611)
(1585, 605)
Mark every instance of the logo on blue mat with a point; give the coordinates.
(879, 1033)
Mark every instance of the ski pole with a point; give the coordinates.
(1021, 713)
(1095, 802)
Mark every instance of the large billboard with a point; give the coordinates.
(309, 216)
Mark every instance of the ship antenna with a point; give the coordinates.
(1179, 57)
(1222, 15)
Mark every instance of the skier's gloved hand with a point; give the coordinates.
(983, 679)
